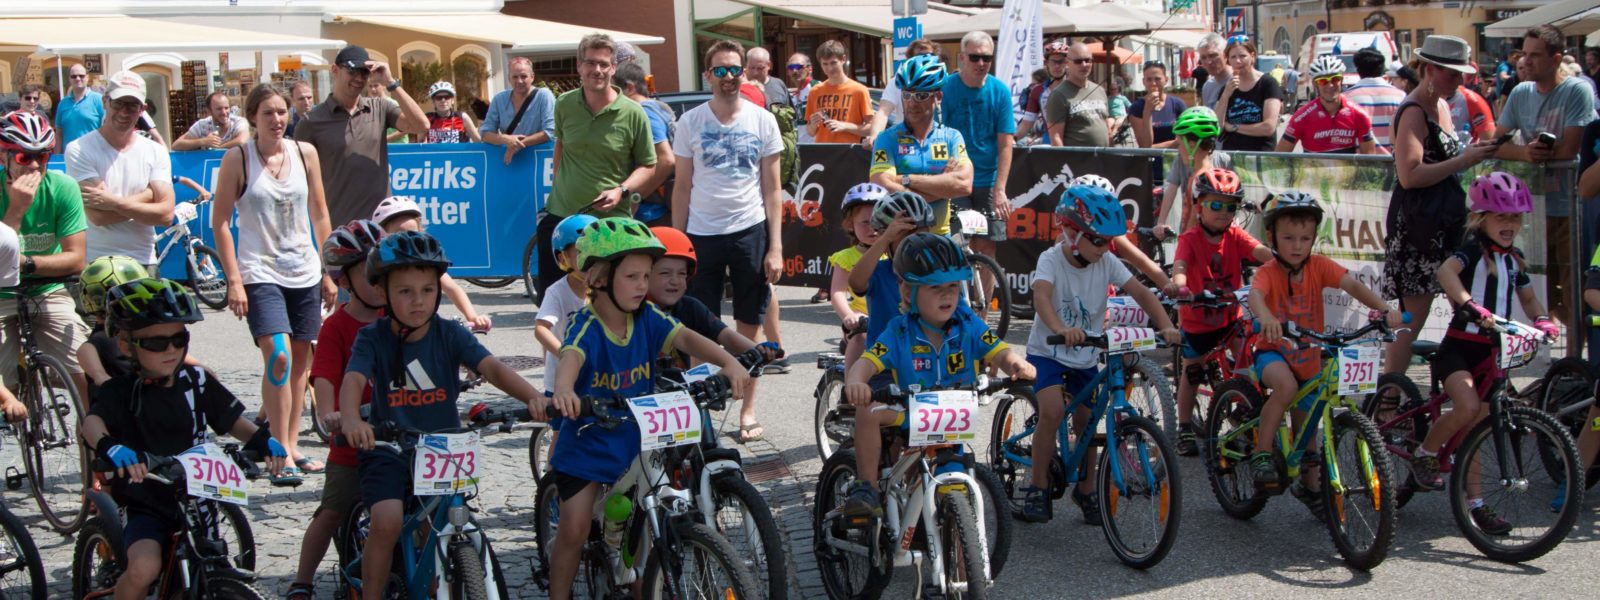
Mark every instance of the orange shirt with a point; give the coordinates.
(848, 102)
(1303, 306)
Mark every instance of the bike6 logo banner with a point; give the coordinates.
(210, 474)
(943, 417)
(445, 464)
(665, 420)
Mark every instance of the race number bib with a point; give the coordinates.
(1122, 311)
(973, 222)
(1130, 339)
(212, 475)
(1358, 370)
(943, 417)
(185, 212)
(700, 372)
(1517, 347)
(665, 420)
(445, 464)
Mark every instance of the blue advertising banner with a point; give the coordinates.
(482, 210)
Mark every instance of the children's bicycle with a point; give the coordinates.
(1356, 496)
(1567, 393)
(52, 459)
(1520, 461)
(1139, 487)
(21, 572)
(201, 263)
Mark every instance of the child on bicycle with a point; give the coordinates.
(1289, 289)
(857, 209)
(1210, 258)
(896, 216)
(344, 254)
(563, 298)
(164, 408)
(1589, 434)
(400, 213)
(1490, 264)
(933, 345)
(610, 352)
(1126, 246)
(411, 357)
(1197, 130)
(99, 356)
(1070, 286)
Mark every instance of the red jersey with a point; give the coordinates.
(450, 129)
(334, 343)
(1217, 267)
(1319, 132)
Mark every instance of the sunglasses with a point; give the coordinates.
(1329, 79)
(1097, 241)
(162, 343)
(31, 158)
(1220, 206)
(77, 77)
(920, 96)
(727, 71)
(30, 98)
(983, 58)
(132, 107)
(797, 67)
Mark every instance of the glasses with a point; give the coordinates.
(1220, 206)
(1083, 61)
(162, 343)
(983, 58)
(31, 158)
(797, 67)
(920, 96)
(1329, 80)
(1239, 39)
(727, 71)
(77, 77)
(132, 107)
(1097, 241)
(597, 64)
(30, 98)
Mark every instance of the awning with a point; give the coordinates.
(518, 34)
(1177, 38)
(1561, 14)
(1091, 20)
(870, 17)
(1119, 55)
(116, 33)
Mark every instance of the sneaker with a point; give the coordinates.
(820, 297)
(863, 501)
(1491, 523)
(777, 367)
(1560, 500)
(1312, 500)
(1089, 504)
(1188, 445)
(1425, 473)
(1035, 506)
(1262, 469)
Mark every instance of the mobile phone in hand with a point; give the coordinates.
(1546, 138)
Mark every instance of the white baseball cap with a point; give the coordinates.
(126, 84)
(10, 254)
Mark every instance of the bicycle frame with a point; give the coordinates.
(176, 235)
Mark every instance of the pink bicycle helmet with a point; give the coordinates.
(394, 206)
(1500, 192)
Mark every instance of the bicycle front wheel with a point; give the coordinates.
(707, 568)
(221, 588)
(1536, 470)
(963, 553)
(995, 516)
(466, 572)
(1226, 445)
(745, 520)
(1359, 506)
(21, 572)
(1567, 386)
(540, 445)
(530, 269)
(1141, 494)
(207, 278)
(52, 455)
(990, 293)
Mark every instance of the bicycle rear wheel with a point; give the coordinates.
(1141, 501)
(21, 572)
(1359, 509)
(540, 445)
(1541, 466)
(990, 293)
(354, 541)
(1567, 385)
(708, 568)
(222, 588)
(845, 574)
(1395, 394)
(1008, 445)
(834, 420)
(52, 455)
(493, 283)
(530, 270)
(97, 556)
(1149, 392)
(207, 278)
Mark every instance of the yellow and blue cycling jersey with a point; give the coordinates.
(898, 152)
(904, 351)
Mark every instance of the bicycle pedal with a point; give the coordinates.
(14, 478)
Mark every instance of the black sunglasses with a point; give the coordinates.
(1099, 242)
(161, 343)
(797, 67)
(987, 58)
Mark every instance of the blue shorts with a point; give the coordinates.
(276, 309)
(1267, 357)
(1049, 373)
(1196, 345)
(384, 476)
(143, 526)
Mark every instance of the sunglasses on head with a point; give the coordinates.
(797, 67)
(162, 343)
(727, 71)
(920, 96)
(31, 158)
(1220, 206)
(984, 58)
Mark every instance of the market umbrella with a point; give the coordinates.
(1104, 20)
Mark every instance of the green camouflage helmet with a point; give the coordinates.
(612, 238)
(105, 273)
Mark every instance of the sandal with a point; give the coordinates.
(301, 590)
(288, 477)
(304, 464)
(751, 432)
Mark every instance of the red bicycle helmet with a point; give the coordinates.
(1221, 182)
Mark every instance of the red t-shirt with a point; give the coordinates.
(753, 93)
(1304, 307)
(1319, 132)
(334, 343)
(1216, 267)
(451, 129)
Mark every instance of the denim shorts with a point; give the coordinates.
(276, 309)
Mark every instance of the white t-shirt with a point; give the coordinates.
(1079, 299)
(726, 197)
(10, 254)
(556, 309)
(124, 173)
(892, 97)
(275, 241)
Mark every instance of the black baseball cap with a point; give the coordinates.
(353, 57)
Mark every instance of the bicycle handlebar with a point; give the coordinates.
(1092, 341)
(168, 469)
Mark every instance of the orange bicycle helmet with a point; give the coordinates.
(678, 245)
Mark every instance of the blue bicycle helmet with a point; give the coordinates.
(921, 74)
(405, 249)
(931, 259)
(1089, 208)
(568, 231)
(863, 193)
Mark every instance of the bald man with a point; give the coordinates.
(81, 110)
(758, 70)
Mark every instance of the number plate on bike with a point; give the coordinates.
(665, 420)
(1123, 311)
(973, 222)
(1517, 347)
(445, 464)
(1130, 339)
(212, 475)
(185, 212)
(943, 417)
(700, 372)
(1358, 370)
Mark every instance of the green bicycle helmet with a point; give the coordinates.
(150, 301)
(1198, 122)
(612, 238)
(104, 273)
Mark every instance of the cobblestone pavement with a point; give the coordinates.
(1281, 551)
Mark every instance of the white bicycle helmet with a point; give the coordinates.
(442, 86)
(863, 193)
(27, 132)
(1326, 65)
(392, 207)
(1095, 181)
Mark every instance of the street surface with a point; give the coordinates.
(1283, 551)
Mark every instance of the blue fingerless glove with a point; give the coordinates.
(264, 445)
(120, 456)
(276, 449)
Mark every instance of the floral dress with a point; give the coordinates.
(1423, 225)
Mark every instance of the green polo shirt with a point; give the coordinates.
(57, 212)
(598, 151)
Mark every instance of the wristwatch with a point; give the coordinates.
(394, 85)
(629, 196)
(905, 180)
(28, 266)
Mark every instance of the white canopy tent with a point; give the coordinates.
(1573, 17)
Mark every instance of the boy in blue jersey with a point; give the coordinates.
(411, 357)
(610, 351)
(933, 345)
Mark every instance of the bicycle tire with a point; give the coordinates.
(493, 283)
(57, 467)
(97, 556)
(996, 519)
(963, 559)
(1550, 433)
(317, 426)
(1146, 376)
(530, 270)
(1365, 472)
(243, 545)
(494, 568)
(1010, 420)
(226, 588)
(1407, 440)
(25, 559)
(466, 573)
(353, 536)
(206, 277)
(702, 546)
(541, 444)
(764, 550)
(843, 578)
(1233, 403)
(1164, 486)
(1567, 382)
(830, 423)
(998, 311)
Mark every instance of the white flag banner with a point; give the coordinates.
(1020, 50)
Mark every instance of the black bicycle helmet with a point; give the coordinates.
(901, 203)
(1289, 203)
(931, 259)
(150, 301)
(405, 249)
(350, 244)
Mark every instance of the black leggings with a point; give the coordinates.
(549, 271)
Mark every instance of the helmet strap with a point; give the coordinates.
(1490, 246)
(1188, 146)
(1201, 221)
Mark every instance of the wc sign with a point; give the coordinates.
(906, 30)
